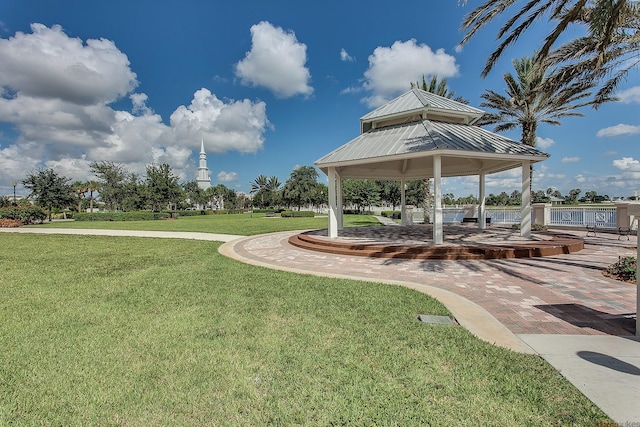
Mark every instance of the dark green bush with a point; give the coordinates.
(121, 216)
(624, 269)
(25, 214)
(297, 214)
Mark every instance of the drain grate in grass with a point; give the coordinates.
(436, 320)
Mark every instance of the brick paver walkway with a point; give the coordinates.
(565, 294)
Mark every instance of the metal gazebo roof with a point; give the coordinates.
(398, 136)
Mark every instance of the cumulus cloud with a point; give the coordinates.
(544, 143)
(345, 57)
(225, 126)
(276, 61)
(57, 93)
(617, 130)
(227, 176)
(51, 65)
(390, 68)
(627, 163)
(630, 95)
(570, 159)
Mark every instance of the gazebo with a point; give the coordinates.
(423, 135)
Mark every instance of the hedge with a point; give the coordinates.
(297, 214)
(26, 215)
(121, 216)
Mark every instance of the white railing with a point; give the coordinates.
(583, 216)
(510, 215)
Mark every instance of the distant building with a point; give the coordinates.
(203, 180)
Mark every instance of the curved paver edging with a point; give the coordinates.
(468, 314)
(556, 245)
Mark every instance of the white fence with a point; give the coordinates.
(575, 216)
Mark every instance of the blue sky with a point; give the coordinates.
(268, 86)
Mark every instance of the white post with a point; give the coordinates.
(481, 210)
(333, 208)
(339, 203)
(634, 209)
(525, 213)
(403, 202)
(437, 195)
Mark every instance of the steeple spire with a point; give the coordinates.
(203, 180)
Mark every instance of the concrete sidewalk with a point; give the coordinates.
(127, 233)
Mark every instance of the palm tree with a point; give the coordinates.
(609, 46)
(439, 87)
(92, 187)
(259, 185)
(80, 190)
(533, 96)
(273, 185)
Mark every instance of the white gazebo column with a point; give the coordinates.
(333, 204)
(482, 221)
(525, 213)
(403, 201)
(437, 205)
(339, 205)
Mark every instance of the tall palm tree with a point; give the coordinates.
(533, 96)
(439, 87)
(259, 185)
(609, 46)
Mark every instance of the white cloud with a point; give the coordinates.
(345, 57)
(392, 69)
(627, 163)
(581, 179)
(570, 159)
(227, 176)
(48, 64)
(630, 95)
(57, 93)
(544, 143)
(276, 61)
(620, 129)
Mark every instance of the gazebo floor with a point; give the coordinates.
(461, 242)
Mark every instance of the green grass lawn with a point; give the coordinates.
(239, 224)
(136, 332)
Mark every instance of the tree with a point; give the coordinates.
(134, 194)
(439, 87)
(530, 100)
(92, 187)
(111, 179)
(194, 194)
(259, 186)
(300, 187)
(608, 46)
(162, 186)
(390, 192)
(360, 193)
(49, 189)
(80, 191)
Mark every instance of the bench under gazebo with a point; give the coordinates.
(422, 135)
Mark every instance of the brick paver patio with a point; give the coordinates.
(562, 294)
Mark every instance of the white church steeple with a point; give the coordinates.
(203, 180)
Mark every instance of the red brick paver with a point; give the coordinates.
(563, 294)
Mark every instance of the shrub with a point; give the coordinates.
(24, 214)
(10, 223)
(121, 216)
(624, 269)
(297, 214)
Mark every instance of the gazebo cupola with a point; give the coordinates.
(417, 105)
